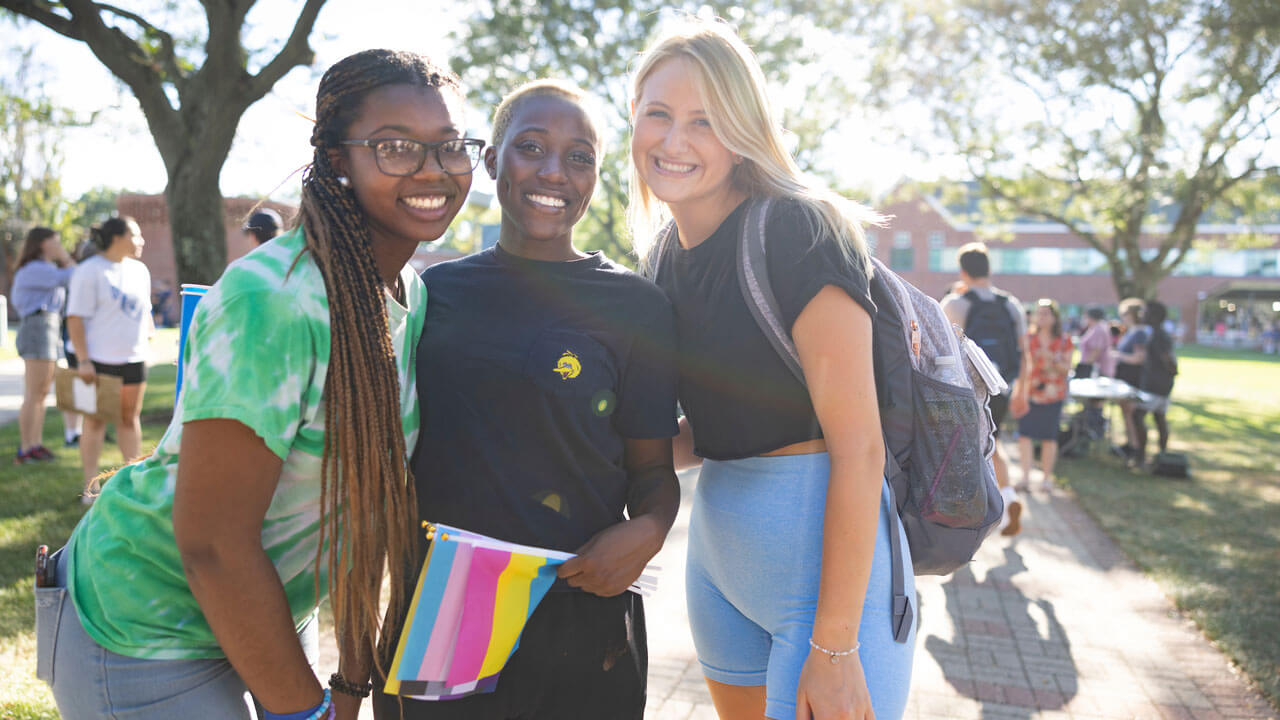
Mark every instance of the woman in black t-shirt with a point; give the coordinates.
(789, 568)
(547, 386)
(1159, 366)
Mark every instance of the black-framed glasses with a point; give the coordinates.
(402, 156)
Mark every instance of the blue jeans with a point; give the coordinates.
(755, 561)
(91, 682)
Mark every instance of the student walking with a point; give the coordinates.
(995, 321)
(549, 391)
(197, 573)
(109, 323)
(39, 294)
(1037, 400)
(789, 567)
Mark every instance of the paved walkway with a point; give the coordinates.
(1056, 623)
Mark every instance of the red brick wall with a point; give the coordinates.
(913, 214)
(152, 215)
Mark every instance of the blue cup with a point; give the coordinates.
(191, 294)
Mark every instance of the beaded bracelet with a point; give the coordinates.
(835, 656)
(346, 687)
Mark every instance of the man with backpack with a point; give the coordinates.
(994, 320)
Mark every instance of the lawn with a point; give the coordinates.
(41, 504)
(1212, 544)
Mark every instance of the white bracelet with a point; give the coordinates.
(835, 656)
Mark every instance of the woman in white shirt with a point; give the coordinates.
(109, 321)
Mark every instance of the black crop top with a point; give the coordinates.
(738, 395)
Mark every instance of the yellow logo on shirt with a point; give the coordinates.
(568, 366)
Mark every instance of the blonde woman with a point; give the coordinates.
(789, 563)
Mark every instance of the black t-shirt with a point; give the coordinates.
(530, 375)
(740, 398)
(1158, 369)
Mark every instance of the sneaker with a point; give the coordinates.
(73, 442)
(40, 453)
(21, 458)
(1015, 519)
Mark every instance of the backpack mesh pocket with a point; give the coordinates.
(945, 452)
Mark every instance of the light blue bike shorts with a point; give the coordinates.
(755, 559)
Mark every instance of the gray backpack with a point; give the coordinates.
(932, 386)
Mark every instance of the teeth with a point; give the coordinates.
(675, 167)
(427, 202)
(546, 200)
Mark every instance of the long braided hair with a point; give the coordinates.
(368, 510)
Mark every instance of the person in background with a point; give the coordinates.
(1159, 366)
(262, 226)
(1129, 356)
(1095, 346)
(161, 298)
(994, 320)
(1037, 400)
(109, 321)
(39, 295)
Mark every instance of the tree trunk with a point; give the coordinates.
(196, 222)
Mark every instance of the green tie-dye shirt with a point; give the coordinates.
(257, 353)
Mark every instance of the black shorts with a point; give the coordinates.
(580, 656)
(999, 405)
(130, 373)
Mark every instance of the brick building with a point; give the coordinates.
(1043, 260)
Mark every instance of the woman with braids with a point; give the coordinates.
(789, 572)
(548, 395)
(196, 574)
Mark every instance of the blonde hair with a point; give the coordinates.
(541, 88)
(731, 84)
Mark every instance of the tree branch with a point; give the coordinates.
(990, 186)
(168, 54)
(36, 11)
(296, 51)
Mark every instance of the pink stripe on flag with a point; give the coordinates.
(477, 615)
(435, 661)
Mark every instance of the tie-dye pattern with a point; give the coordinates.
(257, 353)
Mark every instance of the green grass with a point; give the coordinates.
(41, 504)
(1212, 544)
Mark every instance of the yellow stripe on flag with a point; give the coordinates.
(510, 610)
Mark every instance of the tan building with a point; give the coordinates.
(1043, 260)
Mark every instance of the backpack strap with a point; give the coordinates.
(753, 279)
(648, 265)
(903, 612)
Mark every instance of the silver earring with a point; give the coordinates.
(344, 181)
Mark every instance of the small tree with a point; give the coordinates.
(192, 110)
(1096, 114)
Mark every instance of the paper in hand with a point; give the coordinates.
(85, 396)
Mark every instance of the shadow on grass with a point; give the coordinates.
(1210, 542)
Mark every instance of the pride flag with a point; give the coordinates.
(473, 598)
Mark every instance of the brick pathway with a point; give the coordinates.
(1056, 623)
